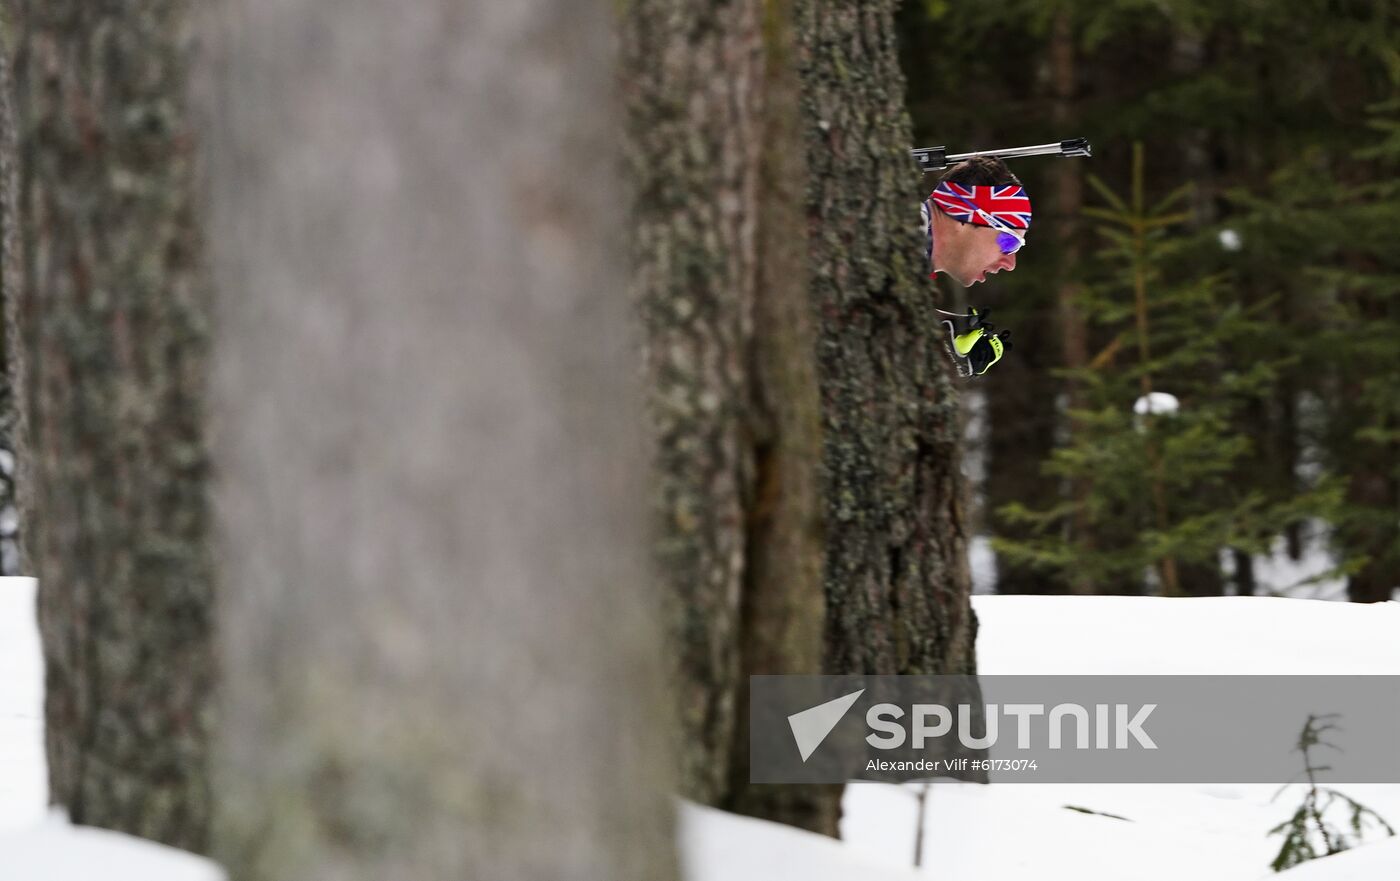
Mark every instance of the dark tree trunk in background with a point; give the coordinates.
(1288, 450)
(1067, 198)
(1188, 58)
(1022, 415)
(114, 325)
(13, 431)
(441, 649)
(897, 580)
(720, 281)
(1370, 528)
(1245, 584)
(783, 610)
(1372, 491)
(1026, 401)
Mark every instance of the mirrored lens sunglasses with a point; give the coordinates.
(1008, 241)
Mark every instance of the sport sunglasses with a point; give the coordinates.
(1007, 240)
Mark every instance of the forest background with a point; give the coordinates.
(1230, 244)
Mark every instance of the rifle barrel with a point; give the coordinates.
(933, 158)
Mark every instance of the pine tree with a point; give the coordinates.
(1309, 833)
(1160, 495)
(1357, 342)
(1206, 87)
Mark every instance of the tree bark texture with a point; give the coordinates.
(114, 326)
(442, 656)
(720, 283)
(694, 80)
(13, 425)
(896, 573)
(783, 609)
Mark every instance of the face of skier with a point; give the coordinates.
(970, 253)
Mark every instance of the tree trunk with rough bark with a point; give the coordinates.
(694, 73)
(13, 425)
(441, 651)
(897, 580)
(783, 611)
(720, 281)
(114, 326)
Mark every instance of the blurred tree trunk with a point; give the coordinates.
(1373, 495)
(1288, 450)
(12, 422)
(897, 580)
(1022, 415)
(720, 281)
(1369, 528)
(114, 326)
(442, 657)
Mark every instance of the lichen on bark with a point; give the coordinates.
(114, 335)
(897, 581)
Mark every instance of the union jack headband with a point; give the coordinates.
(1007, 203)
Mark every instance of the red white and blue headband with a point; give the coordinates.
(1005, 204)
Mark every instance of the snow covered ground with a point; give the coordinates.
(1310, 577)
(22, 785)
(36, 845)
(56, 851)
(1033, 831)
(972, 833)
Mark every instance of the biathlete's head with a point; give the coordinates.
(981, 220)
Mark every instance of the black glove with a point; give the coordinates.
(972, 343)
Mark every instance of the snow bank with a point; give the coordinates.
(1159, 635)
(35, 847)
(1085, 832)
(23, 786)
(1374, 862)
(972, 833)
(1169, 832)
(57, 851)
(718, 846)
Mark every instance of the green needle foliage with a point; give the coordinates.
(1160, 495)
(1308, 834)
(1279, 343)
(1341, 320)
(1363, 333)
